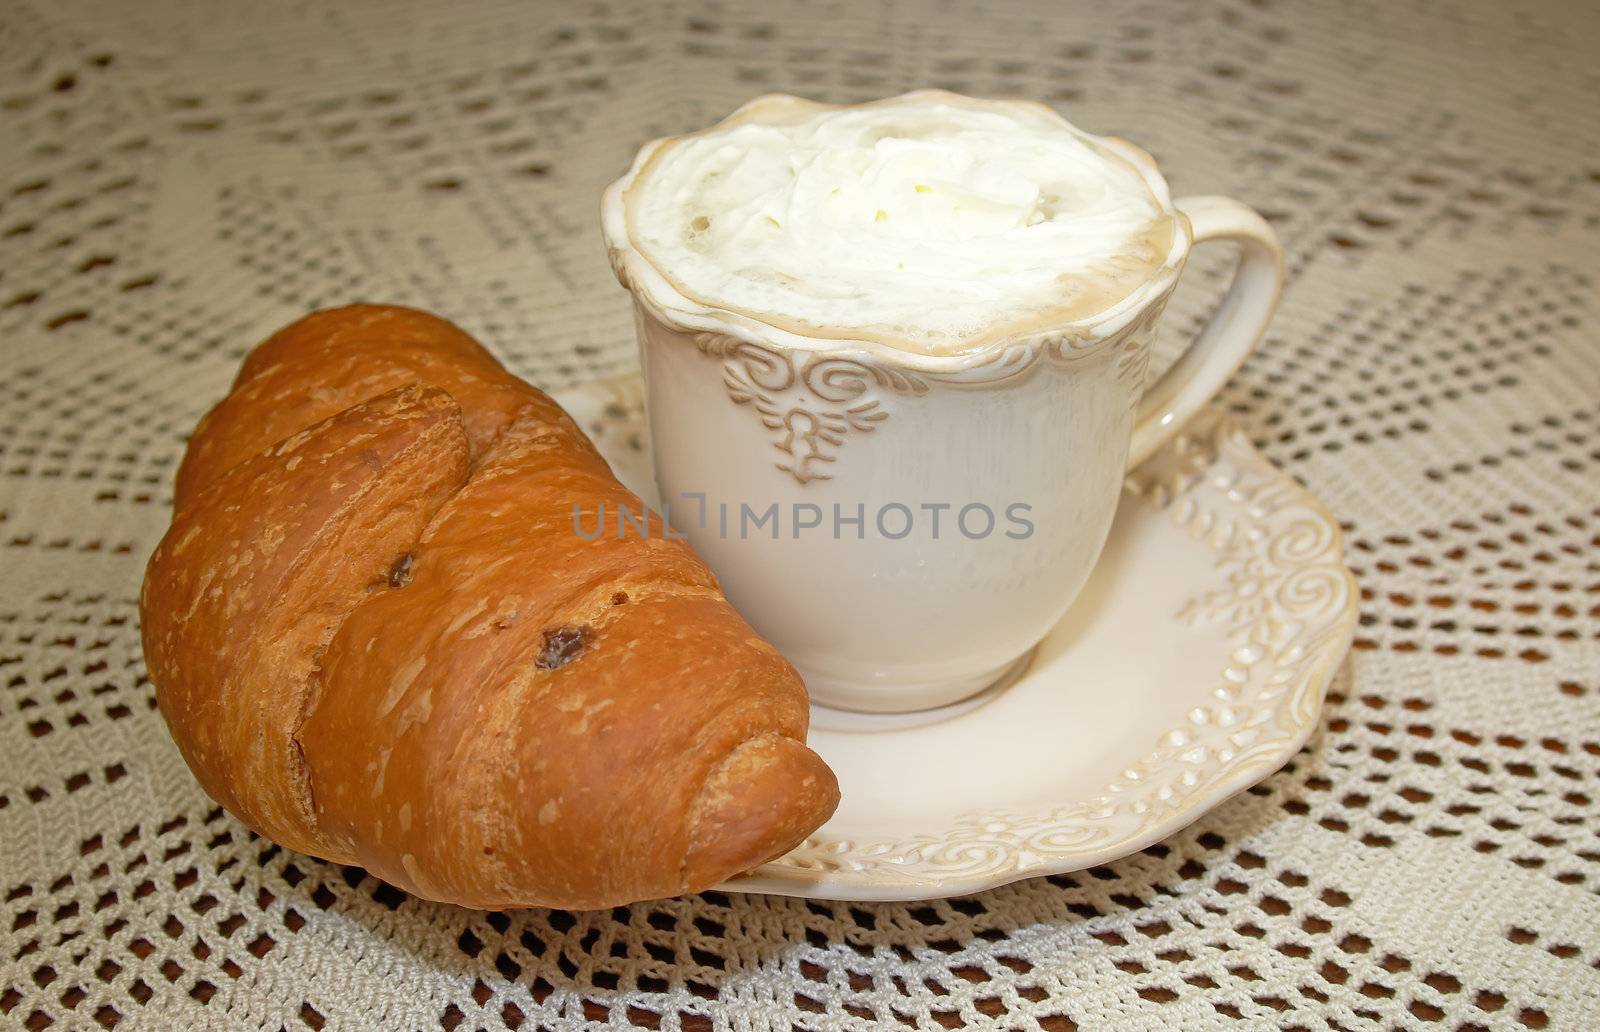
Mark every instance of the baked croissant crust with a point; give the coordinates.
(377, 638)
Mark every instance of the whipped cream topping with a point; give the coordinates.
(926, 221)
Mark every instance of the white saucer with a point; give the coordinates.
(1192, 666)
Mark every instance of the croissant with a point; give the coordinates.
(377, 638)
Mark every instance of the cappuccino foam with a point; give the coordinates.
(926, 221)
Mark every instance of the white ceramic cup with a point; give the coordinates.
(745, 416)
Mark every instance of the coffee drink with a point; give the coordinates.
(930, 222)
(904, 347)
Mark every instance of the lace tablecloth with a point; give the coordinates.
(180, 177)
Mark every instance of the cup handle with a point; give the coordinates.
(1233, 332)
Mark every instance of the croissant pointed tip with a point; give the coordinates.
(759, 803)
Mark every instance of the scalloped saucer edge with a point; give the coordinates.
(1192, 666)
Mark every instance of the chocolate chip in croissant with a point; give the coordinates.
(400, 572)
(562, 645)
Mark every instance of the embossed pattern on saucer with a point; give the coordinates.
(1193, 665)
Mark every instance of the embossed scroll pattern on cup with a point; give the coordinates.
(811, 402)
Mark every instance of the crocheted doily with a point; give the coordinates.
(177, 178)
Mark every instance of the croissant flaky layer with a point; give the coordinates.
(377, 638)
